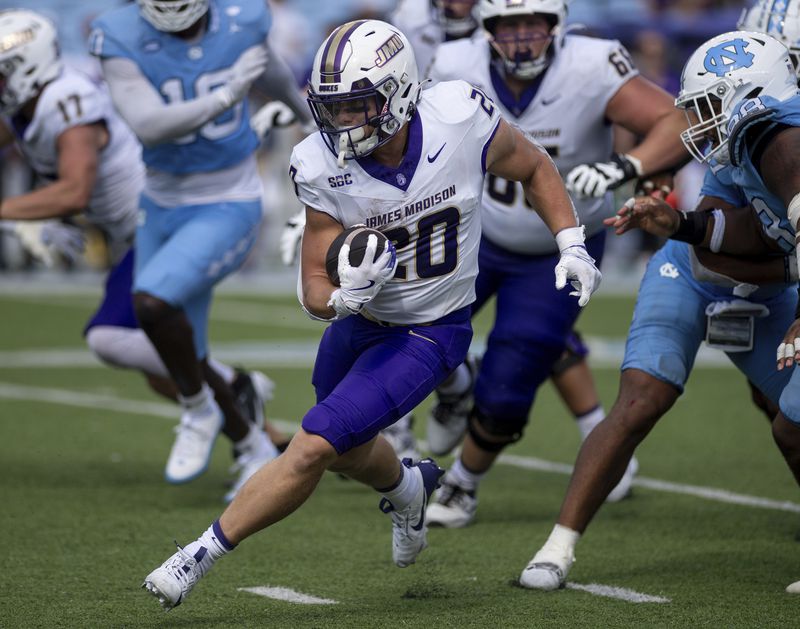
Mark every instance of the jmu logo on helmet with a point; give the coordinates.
(727, 56)
(388, 49)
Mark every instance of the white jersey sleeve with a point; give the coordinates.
(610, 68)
(428, 206)
(448, 62)
(74, 100)
(414, 18)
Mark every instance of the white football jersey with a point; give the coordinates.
(428, 206)
(72, 100)
(566, 115)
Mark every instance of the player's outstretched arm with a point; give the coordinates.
(515, 157)
(649, 112)
(78, 150)
(154, 121)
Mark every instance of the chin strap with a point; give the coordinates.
(343, 141)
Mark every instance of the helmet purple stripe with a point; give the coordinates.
(330, 64)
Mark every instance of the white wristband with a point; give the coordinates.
(794, 211)
(637, 163)
(570, 237)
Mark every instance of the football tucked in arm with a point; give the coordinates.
(356, 237)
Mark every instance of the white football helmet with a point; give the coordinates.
(721, 73)
(454, 26)
(364, 75)
(172, 16)
(29, 57)
(523, 66)
(781, 20)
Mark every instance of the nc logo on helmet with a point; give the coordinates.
(727, 56)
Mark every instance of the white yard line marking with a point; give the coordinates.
(623, 594)
(288, 595)
(104, 402)
(707, 493)
(157, 409)
(224, 310)
(605, 352)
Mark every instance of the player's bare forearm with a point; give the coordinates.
(316, 295)
(321, 230)
(546, 192)
(57, 200)
(517, 158)
(643, 108)
(661, 148)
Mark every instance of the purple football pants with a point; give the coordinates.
(368, 375)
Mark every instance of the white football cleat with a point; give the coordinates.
(172, 581)
(194, 441)
(251, 458)
(253, 390)
(447, 422)
(401, 437)
(547, 570)
(625, 484)
(453, 507)
(409, 529)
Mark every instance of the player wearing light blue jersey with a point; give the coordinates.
(179, 72)
(733, 288)
(412, 163)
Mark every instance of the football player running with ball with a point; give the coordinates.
(740, 90)
(562, 90)
(388, 155)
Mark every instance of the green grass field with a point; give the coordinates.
(86, 513)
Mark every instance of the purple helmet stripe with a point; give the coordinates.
(330, 64)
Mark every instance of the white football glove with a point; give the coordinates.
(594, 180)
(246, 69)
(45, 239)
(358, 285)
(290, 237)
(275, 114)
(576, 265)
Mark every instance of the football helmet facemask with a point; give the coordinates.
(172, 16)
(29, 57)
(524, 65)
(783, 24)
(456, 21)
(719, 75)
(364, 87)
